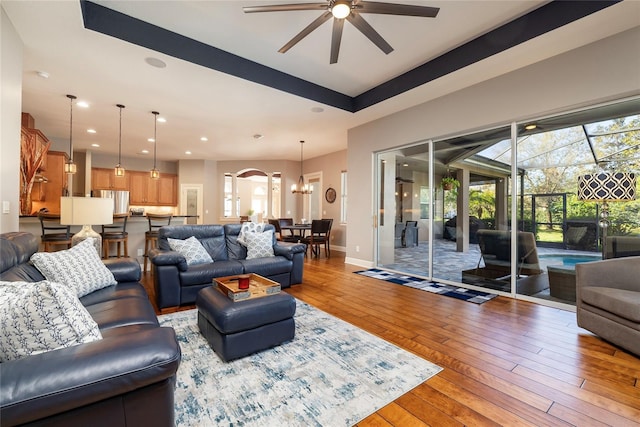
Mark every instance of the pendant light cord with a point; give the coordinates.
(155, 139)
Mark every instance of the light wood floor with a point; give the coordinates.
(505, 362)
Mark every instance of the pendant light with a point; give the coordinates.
(70, 167)
(119, 170)
(155, 173)
(301, 188)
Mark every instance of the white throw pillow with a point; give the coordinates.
(247, 228)
(79, 268)
(259, 245)
(191, 249)
(39, 317)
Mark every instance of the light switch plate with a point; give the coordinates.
(6, 206)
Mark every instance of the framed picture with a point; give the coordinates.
(330, 195)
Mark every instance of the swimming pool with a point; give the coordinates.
(569, 260)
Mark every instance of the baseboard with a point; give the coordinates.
(359, 262)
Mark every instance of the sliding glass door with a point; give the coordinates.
(404, 204)
(499, 209)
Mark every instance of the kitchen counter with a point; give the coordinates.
(137, 225)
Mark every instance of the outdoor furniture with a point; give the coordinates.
(562, 282)
(622, 246)
(53, 233)
(116, 233)
(608, 300)
(406, 235)
(237, 329)
(495, 248)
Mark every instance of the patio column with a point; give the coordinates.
(462, 220)
(501, 204)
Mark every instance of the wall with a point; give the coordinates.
(599, 72)
(10, 107)
(331, 166)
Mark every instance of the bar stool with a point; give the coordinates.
(116, 233)
(53, 233)
(151, 237)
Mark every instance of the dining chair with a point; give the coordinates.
(151, 236)
(116, 233)
(320, 235)
(53, 233)
(284, 236)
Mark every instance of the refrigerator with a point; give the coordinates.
(120, 199)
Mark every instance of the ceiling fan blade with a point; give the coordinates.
(304, 33)
(286, 7)
(366, 29)
(396, 9)
(336, 37)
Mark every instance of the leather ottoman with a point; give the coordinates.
(237, 329)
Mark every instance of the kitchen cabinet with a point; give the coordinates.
(105, 179)
(145, 191)
(47, 194)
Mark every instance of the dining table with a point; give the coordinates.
(299, 230)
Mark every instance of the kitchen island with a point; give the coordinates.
(137, 225)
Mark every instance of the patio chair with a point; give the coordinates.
(495, 248)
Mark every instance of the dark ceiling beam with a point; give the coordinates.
(537, 22)
(124, 27)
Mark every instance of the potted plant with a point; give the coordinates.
(449, 183)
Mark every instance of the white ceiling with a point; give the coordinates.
(197, 101)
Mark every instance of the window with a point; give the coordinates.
(343, 196)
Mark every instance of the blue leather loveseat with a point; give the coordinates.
(177, 283)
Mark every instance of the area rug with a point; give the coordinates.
(464, 294)
(330, 374)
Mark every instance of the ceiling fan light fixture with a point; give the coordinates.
(341, 9)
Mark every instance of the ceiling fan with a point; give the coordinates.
(349, 10)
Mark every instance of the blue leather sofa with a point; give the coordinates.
(177, 283)
(125, 379)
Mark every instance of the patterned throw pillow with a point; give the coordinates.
(79, 268)
(39, 317)
(259, 245)
(191, 249)
(247, 228)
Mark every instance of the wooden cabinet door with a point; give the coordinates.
(101, 179)
(105, 179)
(119, 182)
(138, 188)
(167, 190)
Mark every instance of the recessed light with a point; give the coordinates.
(155, 62)
(405, 164)
(42, 74)
(145, 151)
(151, 140)
(317, 110)
(187, 152)
(530, 126)
(95, 145)
(258, 136)
(82, 104)
(91, 131)
(204, 139)
(162, 120)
